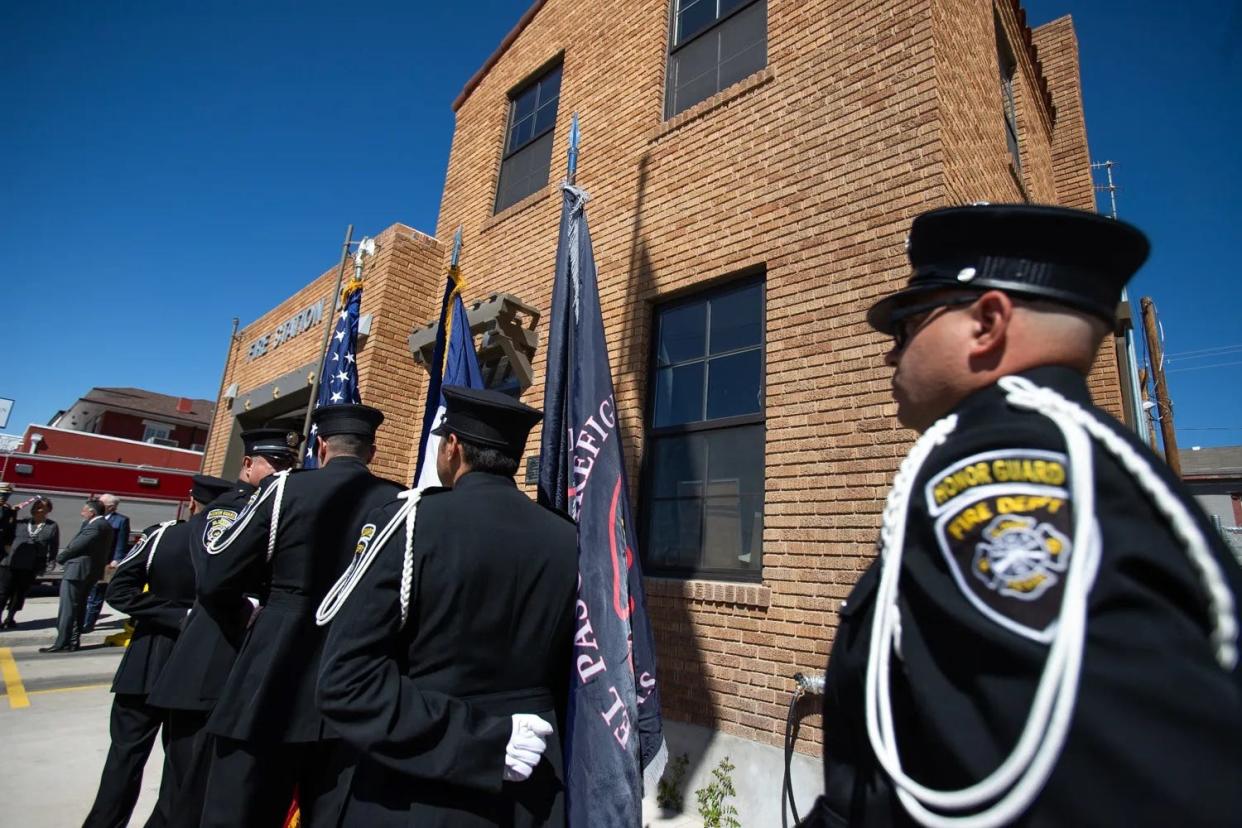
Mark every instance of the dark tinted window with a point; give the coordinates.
(528, 142)
(714, 44)
(703, 496)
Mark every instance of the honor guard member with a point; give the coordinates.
(1049, 634)
(268, 736)
(195, 673)
(153, 585)
(448, 663)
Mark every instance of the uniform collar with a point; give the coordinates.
(1066, 381)
(477, 478)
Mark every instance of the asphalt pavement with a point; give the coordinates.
(54, 721)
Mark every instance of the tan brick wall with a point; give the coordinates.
(869, 112)
(402, 283)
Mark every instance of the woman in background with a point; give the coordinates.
(37, 540)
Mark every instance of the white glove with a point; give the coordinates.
(526, 746)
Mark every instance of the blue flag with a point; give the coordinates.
(614, 740)
(453, 362)
(338, 381)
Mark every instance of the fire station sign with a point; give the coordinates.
(296, 324)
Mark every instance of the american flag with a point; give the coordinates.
(338, 383)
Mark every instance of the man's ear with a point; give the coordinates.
(990, 316)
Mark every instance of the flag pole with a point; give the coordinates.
(574, 138)
(224, 375)
(327, 332)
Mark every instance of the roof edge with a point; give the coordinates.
(478, 76)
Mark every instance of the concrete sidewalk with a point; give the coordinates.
(36, 623)
(54, 710)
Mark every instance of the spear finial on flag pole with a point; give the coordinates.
(574, 138)
(456, 258)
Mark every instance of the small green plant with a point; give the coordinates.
(668, 792)
(713, 798)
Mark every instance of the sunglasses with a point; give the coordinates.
(907, 321)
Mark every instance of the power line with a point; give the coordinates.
(1210, 428)
(1205, 351)
(1203, 367)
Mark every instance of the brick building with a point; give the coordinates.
(754, 166)
(137, 414)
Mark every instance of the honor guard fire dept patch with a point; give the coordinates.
(1004, 524)
(218, 520)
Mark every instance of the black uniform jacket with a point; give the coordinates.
(157, 596)
(1156, 737)
(200, 662)
(270, 695)
(489, 634)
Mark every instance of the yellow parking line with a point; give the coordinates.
(67, 689)
(12, 680)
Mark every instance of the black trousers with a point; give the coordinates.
(252, 786)
(72, 611)
(14, 584)
(187, 761)
(133, 727)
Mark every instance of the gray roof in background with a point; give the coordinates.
(1218, 461)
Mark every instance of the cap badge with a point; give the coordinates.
(292, 439)
(966, 274)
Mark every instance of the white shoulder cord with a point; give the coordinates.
(345, 585)
(225, 540)
(1022, 775)
(155, 542)
(147, 540)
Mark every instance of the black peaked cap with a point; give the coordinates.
(347, 418)
(488, 418)
(1073, 257)
(207, 488)
(280, 442)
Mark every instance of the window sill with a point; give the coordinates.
(710, 592)
(521, 205)
(702, 108)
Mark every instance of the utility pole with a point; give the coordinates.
(1147, 406)
(1156, 351)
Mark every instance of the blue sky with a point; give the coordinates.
(168, 166)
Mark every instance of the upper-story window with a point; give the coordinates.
(704, 463)
(528, 139)
(1008, 68)
(158, 431)
(712, 45)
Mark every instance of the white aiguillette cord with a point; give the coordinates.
(152, 540)
(345, 585)
(1013, 786)
(243, 520)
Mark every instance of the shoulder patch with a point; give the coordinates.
(364, 539)
(1044, 468)
(1004, 523)
(218, 520)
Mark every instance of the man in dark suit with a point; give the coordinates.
(120, 547)
(297, 532)
(448, 665)
(193, 677)
(154, 585)
(84, 560)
